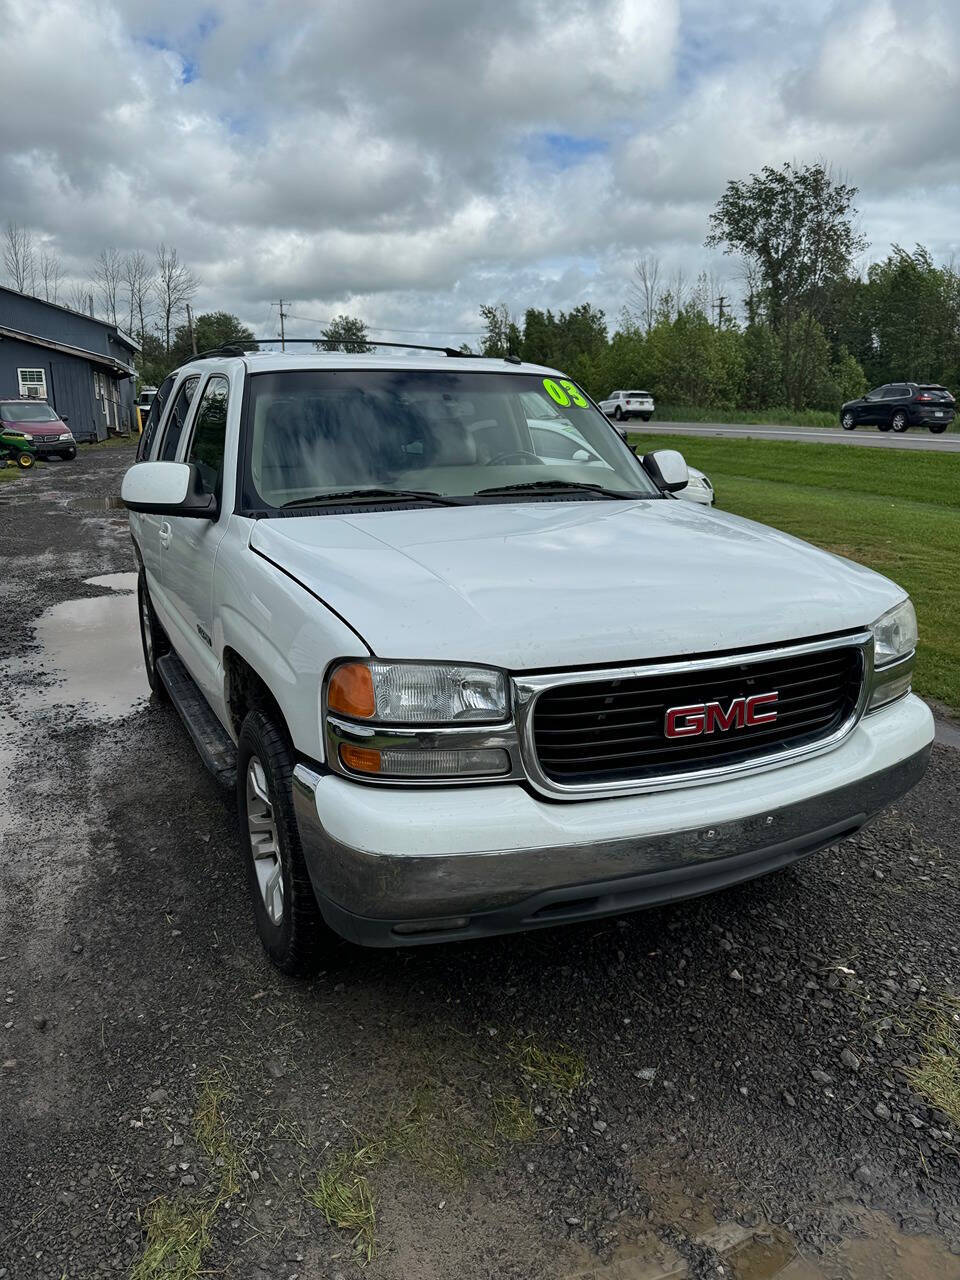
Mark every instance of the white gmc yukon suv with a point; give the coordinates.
(465, 682)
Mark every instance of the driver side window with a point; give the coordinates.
(209, 435)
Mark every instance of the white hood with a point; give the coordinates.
(543, 584)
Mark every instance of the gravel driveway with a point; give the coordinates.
(739, 1085)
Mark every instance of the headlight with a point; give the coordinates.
(894, 646)
(418, 693)
(419, 722)
(895, 634)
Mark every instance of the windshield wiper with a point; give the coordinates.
(560, 486)
(374, 495)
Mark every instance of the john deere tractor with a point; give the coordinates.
(16, 449)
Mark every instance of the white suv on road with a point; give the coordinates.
(466, 680)
(628, 404)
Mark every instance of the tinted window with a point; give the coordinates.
(876, 394)
(209, 435)
(153, 419)
(27, 413)
(177, 419)
(898, 390)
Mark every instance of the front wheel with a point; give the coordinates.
(618, 414)
(848, 422)
(288, 919)
(25, 461)
(69, 455)
(899, 422)
(153, 638)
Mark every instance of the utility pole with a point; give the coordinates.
(283, 315)
(193, 336)
(720, 304)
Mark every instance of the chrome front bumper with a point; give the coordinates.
(437, 866)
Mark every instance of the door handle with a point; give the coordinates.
(166, 533)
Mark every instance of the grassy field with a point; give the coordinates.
(894, 510)
(767, 417)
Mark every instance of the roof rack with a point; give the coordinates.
(241, 348)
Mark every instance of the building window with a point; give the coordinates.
(33, 383)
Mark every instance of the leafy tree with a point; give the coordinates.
(346, 333)
(501, 334)
(763, 367)
(795, 227)
(213, 329)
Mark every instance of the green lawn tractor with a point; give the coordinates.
(16, 450)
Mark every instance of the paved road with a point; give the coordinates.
(744, 1053)
(866, 436)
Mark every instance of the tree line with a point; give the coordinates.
(813, 330)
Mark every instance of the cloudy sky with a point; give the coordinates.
(407, 160)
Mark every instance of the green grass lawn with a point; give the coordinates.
(895, 510)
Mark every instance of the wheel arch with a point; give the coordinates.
(246, 690)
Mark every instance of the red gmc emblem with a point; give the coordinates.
(708, 717)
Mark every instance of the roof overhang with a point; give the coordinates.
(95, 357)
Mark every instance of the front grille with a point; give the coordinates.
(612, 730)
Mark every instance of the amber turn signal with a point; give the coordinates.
(351, 691)
(362, 759)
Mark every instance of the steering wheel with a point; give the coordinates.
(517, 455)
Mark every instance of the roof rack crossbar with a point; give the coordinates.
(240, 348)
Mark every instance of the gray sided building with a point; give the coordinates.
(82, 368)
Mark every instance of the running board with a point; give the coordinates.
(209, 736)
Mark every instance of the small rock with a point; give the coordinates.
(736, 975)
(881, 1111)
(646, 1073)
(821, 1077)
(865, 1175)
(77, 948)
(188, 1180)
(789, 1099)
(40, 1022)
(599, 1126)
(850, 1059)
(156, 1096)
(572, 1222)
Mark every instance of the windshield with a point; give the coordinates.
(27, 413)
(317, 432)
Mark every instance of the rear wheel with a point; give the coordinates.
(288, 919)
(618, 414)
(848, 422)
(883, 426)
(938, 428)
(646, 416)
(899, 422)
(152, 637)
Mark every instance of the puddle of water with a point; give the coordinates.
(883, 1253)
(90, 649)
(112, 503)
(115, 581)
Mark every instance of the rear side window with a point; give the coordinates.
(209, 435)
(898, 390)
(177, 419)
(153, 418)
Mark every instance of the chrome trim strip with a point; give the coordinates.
(467, 737)
(527, 689)
(889, 673)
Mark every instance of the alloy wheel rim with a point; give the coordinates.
(264, 841)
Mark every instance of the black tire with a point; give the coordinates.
(153, 639)
(69, 455)
(25, 461)
(848, 422)
(938, 428)
(899, 422)
(646, 416)
(618, 414)
(883, 426)
(299, 941)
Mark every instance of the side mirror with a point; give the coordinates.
(65, 419)
(167, 489)
(667, 468)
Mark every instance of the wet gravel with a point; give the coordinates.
(745, 1054)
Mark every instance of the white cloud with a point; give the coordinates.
(409, 161)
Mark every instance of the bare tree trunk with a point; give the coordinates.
(139, 282)
(108, 273)
(51, 275)
(19, 257)
(645, 292)
(175, 286)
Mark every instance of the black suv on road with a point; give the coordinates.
(899, 405)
